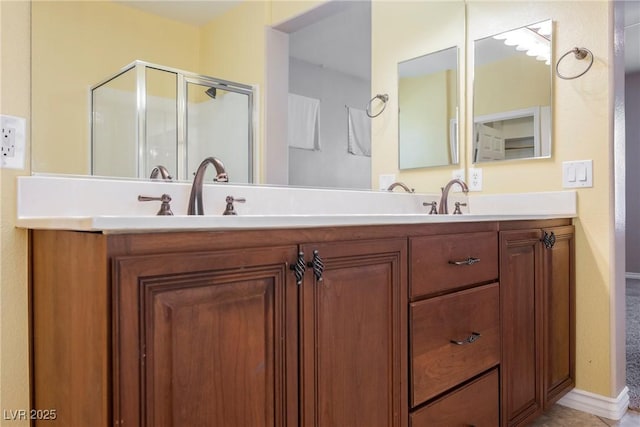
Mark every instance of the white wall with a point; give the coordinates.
(332, 165)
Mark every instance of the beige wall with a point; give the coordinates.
(582, 120)
(14, 100)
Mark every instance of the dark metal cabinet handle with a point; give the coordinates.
(468, 261)
(469, 340)
(549, 240)
(299, 268)
(317, 265)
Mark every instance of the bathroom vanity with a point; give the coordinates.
(423, 324)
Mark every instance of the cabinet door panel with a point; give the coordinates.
(199, 339)
(520, 273)
(354, 327)
(559, 324)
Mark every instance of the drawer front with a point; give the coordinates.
(437, 363)
(433, 259)
(475, 404)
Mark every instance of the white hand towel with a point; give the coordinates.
(303, 120)
(359, 138)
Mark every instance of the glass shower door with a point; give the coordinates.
(218, 124)
(161, 122)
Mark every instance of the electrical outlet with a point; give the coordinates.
(385, 180)
(8, 145)
(12, 142)
(457, 174)
(475, 179)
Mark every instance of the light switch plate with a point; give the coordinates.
(577, 174)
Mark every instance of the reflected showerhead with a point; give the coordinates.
(211, 92)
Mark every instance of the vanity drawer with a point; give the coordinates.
(437, 363)
(474, 404)
(433, 259)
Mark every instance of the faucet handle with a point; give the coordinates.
(230, 210)
(434, 207)
(165, 208)
(457, 210)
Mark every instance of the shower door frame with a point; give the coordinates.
(182, 79)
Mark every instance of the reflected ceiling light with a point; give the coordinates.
(532, 40)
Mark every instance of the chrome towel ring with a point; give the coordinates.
(382, 97)
(579, 53)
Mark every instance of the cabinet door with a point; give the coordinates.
(559, 314)
(199, 339)
(354, 339)
(520, 294)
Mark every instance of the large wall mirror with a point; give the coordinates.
(512, 94)
(428, 110)
(76, 44)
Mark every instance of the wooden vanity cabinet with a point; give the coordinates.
(212, 328)
(537, 292)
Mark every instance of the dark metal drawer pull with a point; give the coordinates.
(317, 265)
(468, 261)
(470, 339)
(299, 268)
(548, 240)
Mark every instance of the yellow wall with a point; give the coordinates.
(424, 128)
(525, 81)
(582, 117)
(408, 30)
(75, 47)
(14, 100)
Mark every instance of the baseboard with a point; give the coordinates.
(631, 275)
(596, 404)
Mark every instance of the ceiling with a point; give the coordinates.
(188, 11)
(198, 12)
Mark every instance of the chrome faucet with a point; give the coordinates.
(443, 209)
(401, 185)
(195, 198)
(162, 171)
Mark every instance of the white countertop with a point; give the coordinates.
(124, 224)
(111, 206)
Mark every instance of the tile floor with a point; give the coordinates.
(561, 416)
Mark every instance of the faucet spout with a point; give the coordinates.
(443, 209)
(195, 198)
(401, 185)
(162, 171)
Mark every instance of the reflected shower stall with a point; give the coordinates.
(149, 115)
